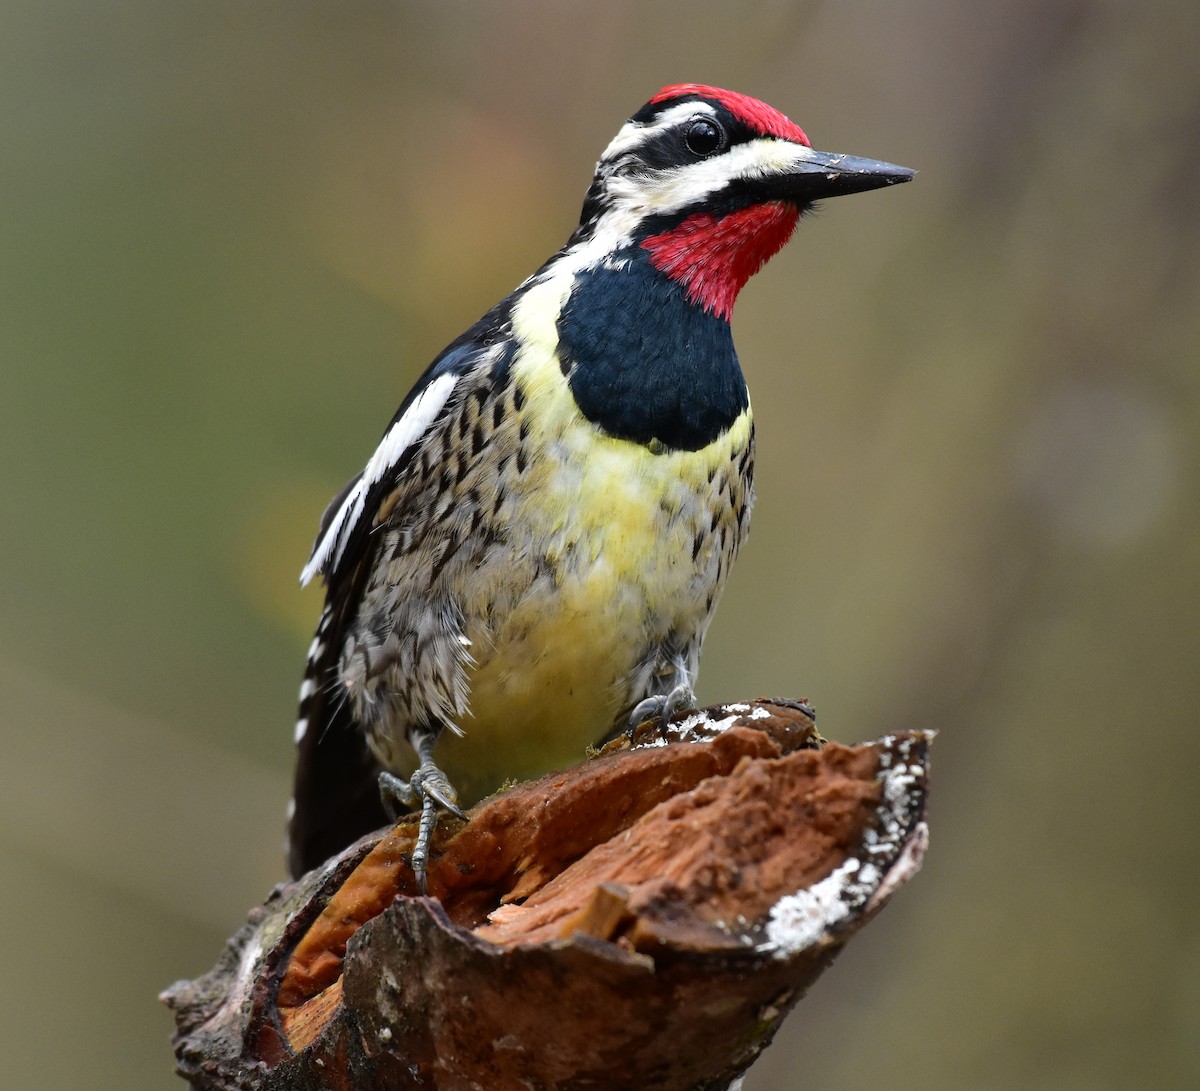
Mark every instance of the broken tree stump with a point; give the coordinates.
(643, 920)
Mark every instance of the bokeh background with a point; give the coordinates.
(233, 234)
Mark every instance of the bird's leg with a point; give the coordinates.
(428, 788)
(661, 708)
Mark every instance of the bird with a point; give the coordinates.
(530, 559)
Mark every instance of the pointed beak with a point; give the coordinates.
(814, 175)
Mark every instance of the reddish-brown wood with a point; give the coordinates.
(642, 920)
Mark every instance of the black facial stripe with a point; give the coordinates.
(739, 132)
(669, 149)
(733, 198)
(737, 194)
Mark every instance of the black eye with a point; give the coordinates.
(703, 136)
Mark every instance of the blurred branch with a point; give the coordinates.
(644, 919)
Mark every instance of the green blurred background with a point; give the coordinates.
(233, 234)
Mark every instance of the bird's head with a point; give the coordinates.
(710, 183)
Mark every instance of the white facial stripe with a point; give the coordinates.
(402, 435)
(636, 133)
(664, 192)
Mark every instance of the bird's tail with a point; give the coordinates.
(336, 795)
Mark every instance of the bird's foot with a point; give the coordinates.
(428, 790)
(660, 709)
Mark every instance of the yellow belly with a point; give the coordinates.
(633, 548)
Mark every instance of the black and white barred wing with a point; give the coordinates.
(336, 797)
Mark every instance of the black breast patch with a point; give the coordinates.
(644, 363)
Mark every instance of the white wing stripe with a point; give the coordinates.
(399, 438)
(409, 428)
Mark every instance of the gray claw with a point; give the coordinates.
(678, 699)
(648, 709)
(399, 796)
(661, 708)
(427, 789)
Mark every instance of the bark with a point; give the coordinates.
(644, 920)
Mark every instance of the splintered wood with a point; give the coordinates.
(643, 919)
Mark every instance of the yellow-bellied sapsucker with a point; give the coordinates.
(533, 553)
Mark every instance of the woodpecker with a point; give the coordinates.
(531, 557)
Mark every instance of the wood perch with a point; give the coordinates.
(643, 920)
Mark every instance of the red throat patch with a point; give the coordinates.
(713, 258)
